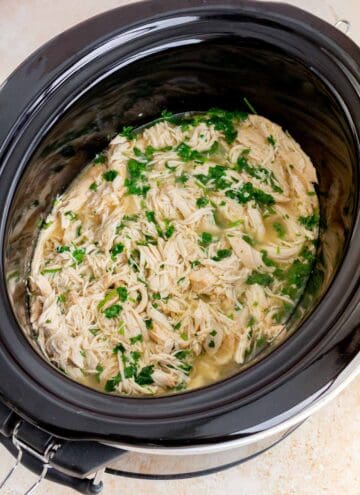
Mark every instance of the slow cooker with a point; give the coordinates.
(59, 109)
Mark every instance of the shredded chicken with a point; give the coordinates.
(176, 255)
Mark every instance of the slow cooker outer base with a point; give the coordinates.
(257, 398)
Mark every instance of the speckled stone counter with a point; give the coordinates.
(323, 456)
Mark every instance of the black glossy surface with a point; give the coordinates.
(62, 106)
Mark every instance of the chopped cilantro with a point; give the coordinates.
(205, 239)
(119, 348)
(213, 333)
(247, 192)
(150, 215)
(283, 313)
(137, 338)
(112, 311)
(148, 323)
(267, 261)
(78, 255)
(117, 248)
(260, 173)
(223, 121)
(109, 296)
(310, 222)
(211, 343)
(62, 249)
(182, 179)
(71, 215)
(99, 369)
(187, 154)
(248, 239)
(93, 187)
(136, 355)
(135, 178)
(169, 230)
(61, 298)
(177, 325)
(111, 385)
(181, 354)
(202, 202)
(261, 342)
(221, 254)
(130, 371)
(100, 158)
(43, 225)
(271, 140)
(134, 260)
(122, 293)
(128, 132)
(259, 278)
(194, 263)
(145, 376)
(279, 229)
(145, 156)
(216, 176)
(166, 115)
(110, 175)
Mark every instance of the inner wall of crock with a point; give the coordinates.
(218, 73)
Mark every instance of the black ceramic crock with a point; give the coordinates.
(64, 104)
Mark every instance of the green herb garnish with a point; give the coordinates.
(71, 215)
(145, 376)
(122, 293)
(205, 239)
(99, 369)
(78, 255)
(148, 323)
(117, 248)
(62, 249)
(279, 229)
(187, 154)
(128, 132)
(221, 254)
(202, 202)
(43, 225)
(100, 158)
(259, 278)
(112, 311)
(135, 178)
(150, 215)
(247, 192)
(137, 338)
(111, 385)
(182, 179)
(248, 239)
(271, 140)
(310, 222)
(110, 175)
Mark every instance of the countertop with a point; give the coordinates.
(323, 455)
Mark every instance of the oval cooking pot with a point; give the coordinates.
(65, 102)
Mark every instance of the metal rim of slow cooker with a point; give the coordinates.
(281, 11)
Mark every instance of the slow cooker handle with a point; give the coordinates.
(69, 463)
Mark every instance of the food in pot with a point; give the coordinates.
(176, 255)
